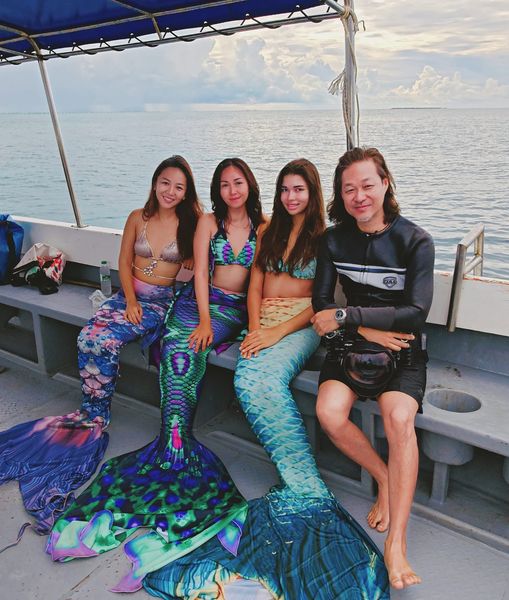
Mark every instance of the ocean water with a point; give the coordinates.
(451, 166)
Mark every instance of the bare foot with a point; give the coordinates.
(378, 516)
(401, 574)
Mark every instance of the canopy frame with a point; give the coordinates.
(347, 80)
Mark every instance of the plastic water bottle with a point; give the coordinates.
(105, 278)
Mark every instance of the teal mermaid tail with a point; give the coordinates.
(297, 540)
(311, 551)
(174, 486)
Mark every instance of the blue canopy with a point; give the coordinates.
(63, 28)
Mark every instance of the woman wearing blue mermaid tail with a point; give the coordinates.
(297, 540)
(53, 456)
(175, 486)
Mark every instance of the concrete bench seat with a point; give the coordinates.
(70, 304)
(449, 432)
(485, 428)
(463, 408)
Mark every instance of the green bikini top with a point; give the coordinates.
(299, 271)
(221, 251)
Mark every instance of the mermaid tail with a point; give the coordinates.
(107, 332)
(53, 456)
(50, 458)
(297, 541)
(297, 550)
(175, 486)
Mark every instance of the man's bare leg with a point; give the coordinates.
(333, 407)
(398, 413)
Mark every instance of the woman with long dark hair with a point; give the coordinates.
(175, 486)
(297, 540)
(53, 456)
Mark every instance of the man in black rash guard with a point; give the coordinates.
(385, 266)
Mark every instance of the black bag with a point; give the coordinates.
(366, 367)
(42, 266)
(11, 241)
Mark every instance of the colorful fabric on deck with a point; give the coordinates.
(175, 486)
(53, 456)
(50, 458)
(297, 541)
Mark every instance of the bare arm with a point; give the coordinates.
(133, 310)
(254, 298)
(261, 338)
(202, 336)
(255, 290)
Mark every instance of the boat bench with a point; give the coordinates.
(463, 407)
(43, 321)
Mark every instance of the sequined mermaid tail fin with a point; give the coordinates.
(174, 486)
(181, 492)
(50, 457)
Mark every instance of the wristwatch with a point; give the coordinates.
(340, 316)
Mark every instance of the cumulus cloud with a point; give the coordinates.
(252, 70)
(431, 88)
(411, 53)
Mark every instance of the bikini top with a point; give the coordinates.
(170, 253)
(221, 252)
(299, 271)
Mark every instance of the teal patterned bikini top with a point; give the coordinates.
(221, 252)
(299, 271)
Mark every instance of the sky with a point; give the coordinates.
(452, 54)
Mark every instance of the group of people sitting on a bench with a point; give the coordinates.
(271, 283)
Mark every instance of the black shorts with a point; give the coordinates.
(409, 380)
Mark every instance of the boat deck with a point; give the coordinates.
(452, 565)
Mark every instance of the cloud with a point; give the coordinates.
(416, 53)
(431, 88)
(253, 71)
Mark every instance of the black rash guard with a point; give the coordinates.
(387, 277)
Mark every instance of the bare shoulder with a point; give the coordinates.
(136, 216)
(262, 228)
(207, 222)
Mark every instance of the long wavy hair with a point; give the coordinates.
(188, 211)
(275, 238)
(253, 204)
(336, 207)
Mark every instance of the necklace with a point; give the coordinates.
(231, 224)
(370, 233)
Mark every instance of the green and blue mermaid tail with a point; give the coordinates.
(174, 486)
(297, 541)
(53, 456)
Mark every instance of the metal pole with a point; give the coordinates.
(349, 73)
(350, 84)
(60, 143)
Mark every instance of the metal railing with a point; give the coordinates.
(474, 236)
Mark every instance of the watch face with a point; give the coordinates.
(340, 315)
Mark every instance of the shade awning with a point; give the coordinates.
(51, 28)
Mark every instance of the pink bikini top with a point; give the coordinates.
(170, 253)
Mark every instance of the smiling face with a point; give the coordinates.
(294, 194)
(233, 187)
(363, 193)
(170, 188)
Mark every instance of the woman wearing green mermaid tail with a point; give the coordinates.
(175, 486)
(297, 540)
